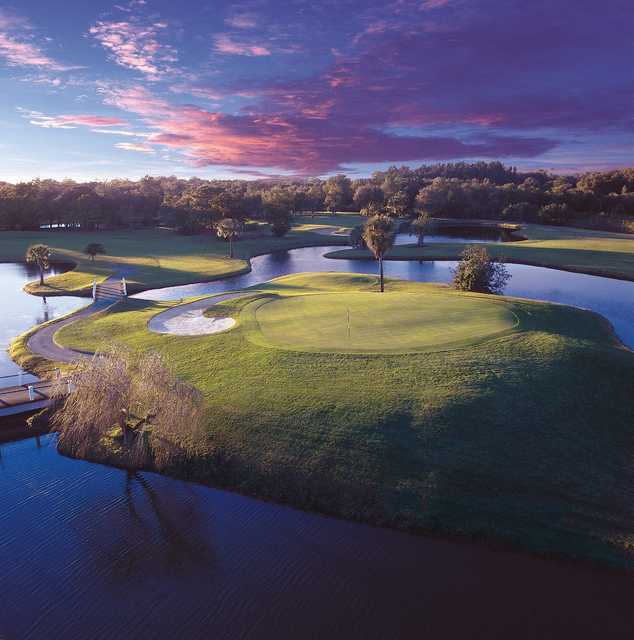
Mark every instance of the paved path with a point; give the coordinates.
(188, 319)
(42, 342)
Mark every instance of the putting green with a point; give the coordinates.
(369, 322)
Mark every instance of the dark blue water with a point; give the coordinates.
(88, 551)
(614, 299)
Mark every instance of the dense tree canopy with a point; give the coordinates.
(455, 190)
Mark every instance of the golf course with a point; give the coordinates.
(422, 408)
(154, 258)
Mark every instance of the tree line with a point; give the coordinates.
(454, 190)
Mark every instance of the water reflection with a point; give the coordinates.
(94, 552)
(22, 311)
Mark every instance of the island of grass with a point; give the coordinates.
(423, 408)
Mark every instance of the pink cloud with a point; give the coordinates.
(135, 146)
(242, 21)
(207, 93)
(40, 119)
(428, 5)
(18, 50)
(275, 140)
(224, 43)
(136, 46)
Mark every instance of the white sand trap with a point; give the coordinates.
(191, 323)
(189, 319)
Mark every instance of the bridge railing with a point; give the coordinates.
(22, 378)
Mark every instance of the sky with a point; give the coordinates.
(93, 89)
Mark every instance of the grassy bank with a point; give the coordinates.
(580, 250)
(147, 258)
(521, 435)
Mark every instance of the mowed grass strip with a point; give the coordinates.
(360, 322)
(525, 438)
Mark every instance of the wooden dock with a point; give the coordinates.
(22, 398)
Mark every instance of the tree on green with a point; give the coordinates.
(420, 226)
(229, 229)
(478, 271)
(94, 248)
(379, 238)
(40, 255)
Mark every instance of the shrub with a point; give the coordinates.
(280, 226)
(130, 406)
(94, 248)
(478, 271)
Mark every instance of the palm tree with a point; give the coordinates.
(379, 238)
(229, 229)
(94, 248)
(40, 255)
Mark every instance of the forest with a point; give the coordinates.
(482, 190)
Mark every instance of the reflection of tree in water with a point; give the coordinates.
(46, 314)
(162, 532)
(279, 257)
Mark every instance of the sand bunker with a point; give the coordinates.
(189, 319)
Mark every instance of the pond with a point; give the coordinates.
(93, 552)
(463, 233)
(22, 311)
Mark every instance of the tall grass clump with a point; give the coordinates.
(129, 406)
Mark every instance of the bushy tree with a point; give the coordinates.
(356, 237)
(398, 204)
(520, 212)
(280, 225)
(367, 193)
(338, 193)
(478, 271)
(94, 248)
(420, 226)
(554, 214)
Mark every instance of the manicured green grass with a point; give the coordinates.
(391, 322)
(339, 224)
(595, 252)
(525, 438)
(148, 258)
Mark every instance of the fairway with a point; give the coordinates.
(369, 322)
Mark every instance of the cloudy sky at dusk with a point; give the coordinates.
(95, 89)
